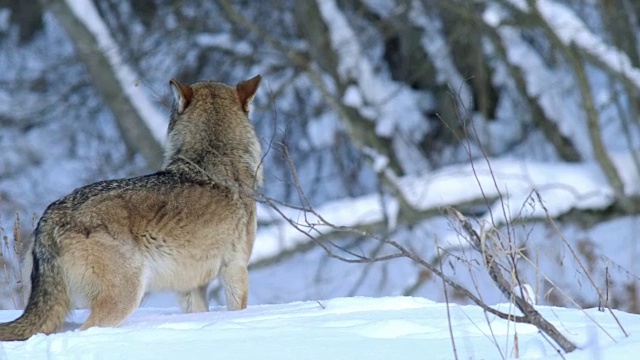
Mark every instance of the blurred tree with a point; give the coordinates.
(26, 16)
(102, 69)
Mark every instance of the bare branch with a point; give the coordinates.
(531, 315)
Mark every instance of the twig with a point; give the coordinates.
(446, 299)
(575, 256)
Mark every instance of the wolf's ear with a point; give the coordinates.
(247, 91)
(182, 94)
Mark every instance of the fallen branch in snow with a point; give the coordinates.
(531, 315)
(491, 248)
(313, 231)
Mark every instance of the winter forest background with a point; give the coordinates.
(522, 114)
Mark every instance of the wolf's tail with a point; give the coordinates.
(49, 301)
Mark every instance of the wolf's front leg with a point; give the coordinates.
(194, 300)
(235, 278)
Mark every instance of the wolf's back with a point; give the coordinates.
(49, 301)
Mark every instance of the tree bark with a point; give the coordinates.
(135, 132)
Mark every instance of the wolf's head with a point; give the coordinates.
(210, 128)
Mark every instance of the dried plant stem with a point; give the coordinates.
(575, 256)
(446, 298)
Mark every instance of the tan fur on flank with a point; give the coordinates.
(113, 241)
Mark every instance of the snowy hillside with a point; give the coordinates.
(342, 328)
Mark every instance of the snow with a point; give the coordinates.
(5, 15)
(340, 328)
(322, 130)
(379, 162)
(223, 41)
(86, 12)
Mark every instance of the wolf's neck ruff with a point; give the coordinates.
(186, 168)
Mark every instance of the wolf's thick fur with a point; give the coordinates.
(177, 229)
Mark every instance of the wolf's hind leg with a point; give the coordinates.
(109, 275)
(235, 278)
(194, 300)
(113, 303)
(111, 308)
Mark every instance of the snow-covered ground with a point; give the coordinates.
(341, 328)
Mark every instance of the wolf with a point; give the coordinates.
(177, 229)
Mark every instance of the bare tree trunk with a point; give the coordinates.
(135, 132)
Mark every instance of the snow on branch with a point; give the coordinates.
(571, 30)
(86, 12)
(436, 46)
(502, 183)
(552, 88)
(376, 98)
(564, 186)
